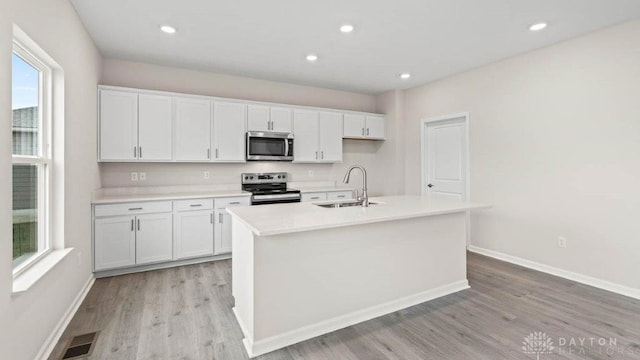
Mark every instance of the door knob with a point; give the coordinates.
(430, 185)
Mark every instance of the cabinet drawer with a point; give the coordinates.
(223, 203)
(133, 208)
(193, 204)
(340, 195)
(314, 196)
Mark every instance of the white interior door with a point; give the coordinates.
(445, 154)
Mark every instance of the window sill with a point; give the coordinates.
(35, 272)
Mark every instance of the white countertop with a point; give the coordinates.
(123, 195)
(277, 219)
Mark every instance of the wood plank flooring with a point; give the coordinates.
(185, 313)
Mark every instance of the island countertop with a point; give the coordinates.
(298, 217)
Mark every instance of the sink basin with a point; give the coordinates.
(342, 204)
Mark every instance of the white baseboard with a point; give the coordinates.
(263, 346)
(54, 337)
(583, 279)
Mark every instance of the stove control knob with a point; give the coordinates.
(251, 177)
(246, 178)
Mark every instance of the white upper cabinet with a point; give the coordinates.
(305, 132)
(152, 126)
(330, 137)
(318, 136)
(358, 126)
(265, 118)
(118, 125)
(281, 119)
(258, 118)
(375, 127)
(192, 129)
(155, 114)
(229, 129)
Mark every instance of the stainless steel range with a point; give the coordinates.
(269, 188)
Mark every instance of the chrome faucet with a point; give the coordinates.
(365, 197)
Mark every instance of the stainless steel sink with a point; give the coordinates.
(343, 204)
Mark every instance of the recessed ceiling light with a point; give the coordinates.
(312, 57)
(405, 76)
(168, 29)
(538, 26)
(346, 28)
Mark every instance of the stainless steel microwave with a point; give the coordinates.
(269, 146)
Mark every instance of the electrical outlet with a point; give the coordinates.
(562, 242)
(142, 176)
(310, 173)
(206, 174)
(134, 176)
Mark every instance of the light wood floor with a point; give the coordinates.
(185, 313)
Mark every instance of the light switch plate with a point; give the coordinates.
(134, 176)
(142, 176)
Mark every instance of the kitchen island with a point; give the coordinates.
(301, 270)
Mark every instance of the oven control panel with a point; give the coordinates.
(263, 178)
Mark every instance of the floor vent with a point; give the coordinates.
(80, 346)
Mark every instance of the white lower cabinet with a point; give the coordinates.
(132, 234)
(222, 236)
(223, 232)
(114, 242)
(194, 233)
(154, 240)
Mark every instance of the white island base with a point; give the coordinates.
(293, 286)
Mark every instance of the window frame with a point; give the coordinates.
(43, 159)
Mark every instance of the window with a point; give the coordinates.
(31, 145)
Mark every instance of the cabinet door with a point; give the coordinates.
(194, 233)
(314, 196)
(155, 126)
(281, 119)
(118, 125)
(305, 132)
(258, 118)
(354, 126)
(375, 127)
(193, 129)
(229, 130)
(154, 238)
(330, 137)
(114, 242)
(223, 232)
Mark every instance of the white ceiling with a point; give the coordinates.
(265, 39)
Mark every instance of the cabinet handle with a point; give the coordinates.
(316, 155)
(132, 209)
(209, 154)
(362, 131)
(195, 205)
(315, 198)
(135, 151)
(211, 218)
(341, 196)
(132, 224)
(140, 151)
(220, 218)
(367, 131)
(322, 155)
(234, 203)
(138, 224)
(216, 153)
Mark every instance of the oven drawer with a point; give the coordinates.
(223, 203)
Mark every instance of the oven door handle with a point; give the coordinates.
(276, 197)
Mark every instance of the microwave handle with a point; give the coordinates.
(286, 147)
